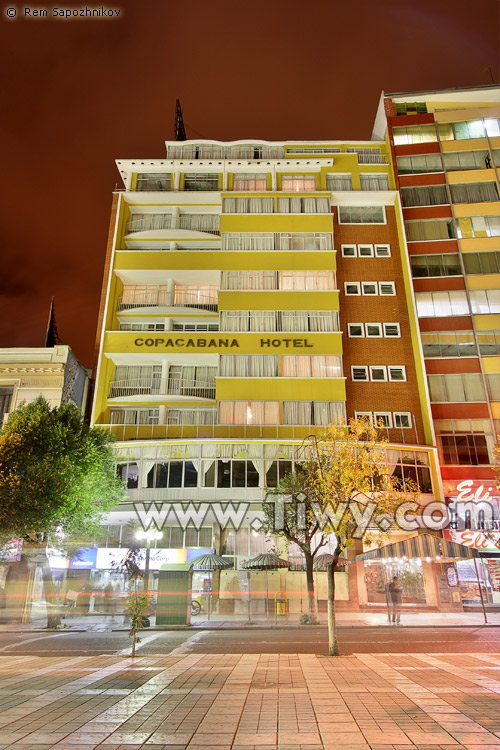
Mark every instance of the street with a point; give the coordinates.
(305, 640)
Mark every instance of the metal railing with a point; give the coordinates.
(210, 224)
(179, 297)
(373, 159)
(148, 222)
(161, 387)
(209, 431)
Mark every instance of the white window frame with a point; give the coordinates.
(369, 254)
(396, 367)
(369, 294)
(356, 335)
(359, 367)
(378, 254)
(364, 415)
(383, 369)
(388, 335)
(405, 414)
(373, 335)
(384, 415)
(357, 223)
(387, 294)
(347, 254)
(352, 283)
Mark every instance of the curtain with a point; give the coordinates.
(251, 365)
(294, 321)
(323, 321)
(436, 229)
(250, 183)
(297, 412)
(474, 192)
(374, 182)
(300, 183)
(433, 195)
(229, 206)
(234, 320)
(262, 320)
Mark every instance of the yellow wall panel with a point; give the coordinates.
(495, 409)
(491, 365)
(491, 208)
(277, 300)
(226, 261)
(461, 177)
(478, 244)
(468, 111)
(487, 322)
(468, 144)
(276, 223)
(280, 389)
(484, 281)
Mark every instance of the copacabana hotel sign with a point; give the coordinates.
(218, 343)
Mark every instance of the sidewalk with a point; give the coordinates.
(251, 702)
(344, 620)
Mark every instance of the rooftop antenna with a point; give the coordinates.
(51, 334)
(179, 131)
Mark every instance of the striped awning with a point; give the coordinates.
(420, 545)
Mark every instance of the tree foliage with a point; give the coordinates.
(56, 473)
(342, 486)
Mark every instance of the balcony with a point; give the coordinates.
(180, 296)
(216, 151)
(207, 223)
(182, 387)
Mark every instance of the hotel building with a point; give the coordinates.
(253, 293)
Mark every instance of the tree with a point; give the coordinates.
(138, 603)
(344, 487)
(57, 478)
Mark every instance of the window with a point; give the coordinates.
(349, 251)
(315, 366)
(410, 108)
(200, 181)
(365, 251)
(397, 373)
(382, 251)
(367, 415)
(313, 412)
(306, 280)
(248, 205)
(485, 301)
(369, 288)
(355, 330)
(249, 412)
(489, 343)
(456, 388)
(435, 265)
(378, 373)
(493, 386)
(474, 192)
(313, 150)
(195, 326)
(368, 155)
(448, 344)
(392, 330)
(482, 262)
(359, 373)
(248, 365)
(299, 183)
(431, 195)
(387, 288)
(469, 129)
(290, 321)
(338, 182)
(352, 288)
(134, 416)
(417, 134)
(373, 330)
(374, 181)
(402, 420)
(304, 241)
(143, 327)
(361, 215)
(479, 226)
(153, 181)
(467, 160)
(382, 419)
(431, 229)
(297, 205)
(250, 182)
(464, 441)
(5, 402)
(441, 304)
(419, 164)
(492, 126)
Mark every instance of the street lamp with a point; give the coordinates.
(148, 536)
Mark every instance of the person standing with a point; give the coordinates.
(395, 597)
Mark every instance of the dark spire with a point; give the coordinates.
(51, 335)
(179, 132)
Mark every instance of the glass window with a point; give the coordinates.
(435, 265)
(369, 288)
(352, 288)
(359, 373)
(300, 183)
(365, 251)
(373, 330)
(201, 181)
(468, 129)
(349, 251)
(431, 195)
(250, 182)
(361, 215)
(419, 164)
(374, 181)
(383, 251)
(482, 262)
(338, 182)
(387, 288)
(153, 181)
(428, 230)
(355, 330)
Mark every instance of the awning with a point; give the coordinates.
(420, 545)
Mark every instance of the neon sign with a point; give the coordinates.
(465, 493)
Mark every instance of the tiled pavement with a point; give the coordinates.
(251, 702)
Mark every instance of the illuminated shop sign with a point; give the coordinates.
(467, 493)
(483, 541)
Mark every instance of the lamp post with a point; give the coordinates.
(148, 536)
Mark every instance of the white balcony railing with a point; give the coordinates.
(161, 387)
(180, 296)
(373, 159)
(148, 222)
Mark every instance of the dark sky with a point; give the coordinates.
(78, 94)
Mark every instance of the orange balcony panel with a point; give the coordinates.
(452, 365)
(433, 246)
(427, 212)
(460, 411)
(411, 149)
(451, 323)
(439, 284)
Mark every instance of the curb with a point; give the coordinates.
(181, 628)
